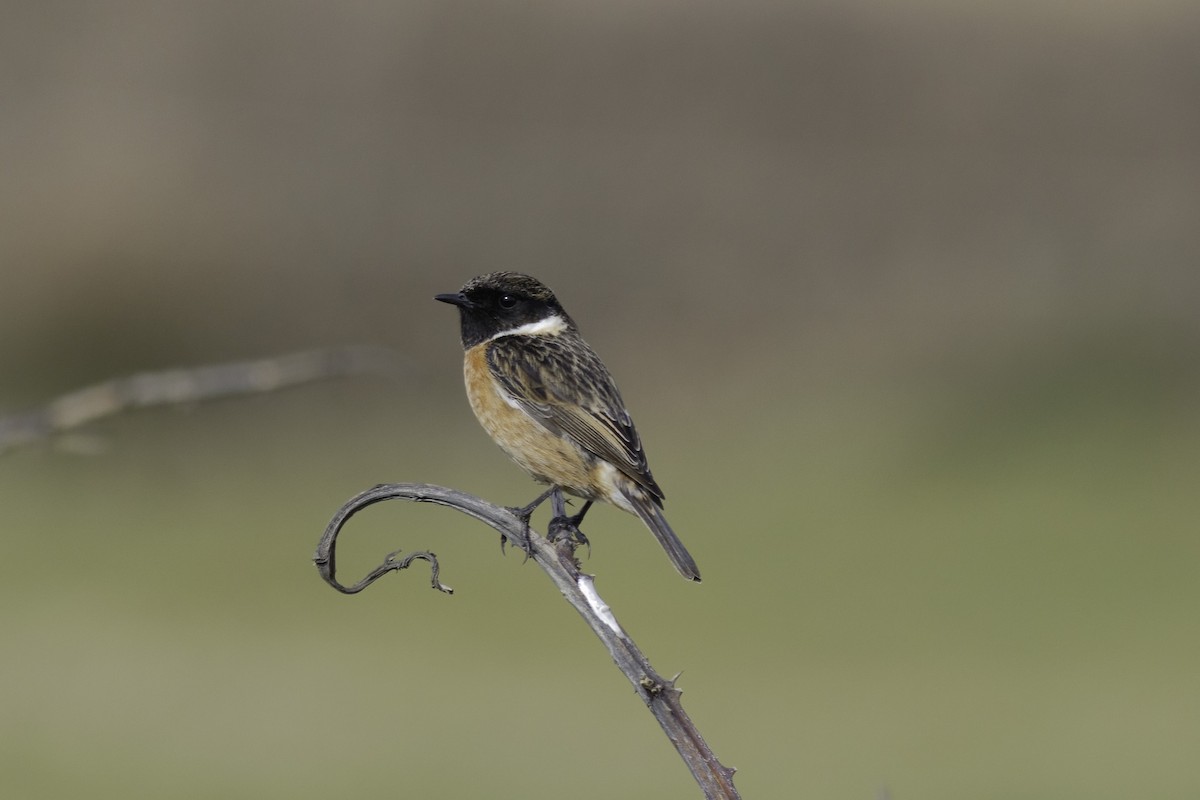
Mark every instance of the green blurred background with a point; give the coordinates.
(903, 296)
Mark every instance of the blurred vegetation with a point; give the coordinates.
(902, 296)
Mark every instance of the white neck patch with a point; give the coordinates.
(549, 326)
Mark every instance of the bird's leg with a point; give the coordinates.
(559, 522)
(577, 520)
(523, 513)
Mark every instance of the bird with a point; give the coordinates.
(545, 397)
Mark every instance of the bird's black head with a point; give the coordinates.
(506, 302)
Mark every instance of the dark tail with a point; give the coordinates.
(652, 515)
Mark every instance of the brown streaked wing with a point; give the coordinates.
(563, 384)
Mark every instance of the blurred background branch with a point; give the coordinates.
(187, 385)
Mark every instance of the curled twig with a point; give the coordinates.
(557, 559)
(326, 556)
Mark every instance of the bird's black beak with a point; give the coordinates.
(456, 299)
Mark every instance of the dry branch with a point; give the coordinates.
(557, 559)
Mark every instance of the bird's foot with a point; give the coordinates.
(564, 527)
(523, 513)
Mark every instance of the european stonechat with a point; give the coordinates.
(546, 398)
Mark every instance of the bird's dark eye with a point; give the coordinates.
(507, 301)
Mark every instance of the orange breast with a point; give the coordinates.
(547, 457)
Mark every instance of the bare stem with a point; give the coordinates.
(557, 559)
